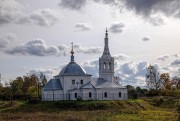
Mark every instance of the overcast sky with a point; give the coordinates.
(36, 36)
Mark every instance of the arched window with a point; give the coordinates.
(104, 65)
(81, 81)
(119, 94)
(90, 94)
(99, 66)
(105, 94)
(73, 82)
(109, 66)
(75, 95)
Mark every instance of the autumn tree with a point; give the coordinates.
(165, 78)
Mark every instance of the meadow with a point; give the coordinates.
(146, 109)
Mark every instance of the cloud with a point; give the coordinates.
(152, 11)
(117, 27)
(12, 11)
(121, 57)
(167, 56)
(147, 8)
(129, 72)
(82, 26)
(49, 72)
(7, 40)
(91, 67)
(44, 17)
(151, 8)
(72, 4)
(176, 62)
(145, 39)
(37, 47)
(87, 50)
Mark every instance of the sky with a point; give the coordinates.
(36, 36)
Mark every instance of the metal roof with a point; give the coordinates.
(73, 69)
(87, 86)
(53, 84)
(102, 83)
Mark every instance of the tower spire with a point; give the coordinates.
(106, 33)
(106, 62)
(72, 52)
(106, 47)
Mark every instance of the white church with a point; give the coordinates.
(74, 83)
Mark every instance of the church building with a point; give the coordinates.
(74, 83)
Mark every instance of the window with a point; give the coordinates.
(119, 94)
(73, 82)
(105, 94)
(75, 95)
(109, 66)
(81, 81)
(90, 94)
(104, 65)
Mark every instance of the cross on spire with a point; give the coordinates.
(72, 51)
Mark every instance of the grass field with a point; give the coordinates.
(131, 110)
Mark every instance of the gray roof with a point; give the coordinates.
(102, 83)
(99, 83)
(73, 69)
(53, 84)
(87, 86)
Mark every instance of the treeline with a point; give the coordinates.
(158, 85)
(24, 88)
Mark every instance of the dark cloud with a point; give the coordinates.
(12, 11)
(145, 39)
(82, 26)
(117, 27)
(7, 40)
(73, 4)
(39, 47)
(150, 8)
(36, 47)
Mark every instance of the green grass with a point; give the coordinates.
(131, 110)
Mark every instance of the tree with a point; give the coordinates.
(152, 78)
(165, 78)
(132, 93)
(43, 79)
(176, 82)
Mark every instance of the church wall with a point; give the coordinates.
(87, 96)
(68, 85)
(112, 94)
(52, 95)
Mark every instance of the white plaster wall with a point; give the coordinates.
(112, 94)
(52, 95)
(67, 83)
(85, 94)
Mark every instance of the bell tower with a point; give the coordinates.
(106, 62)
